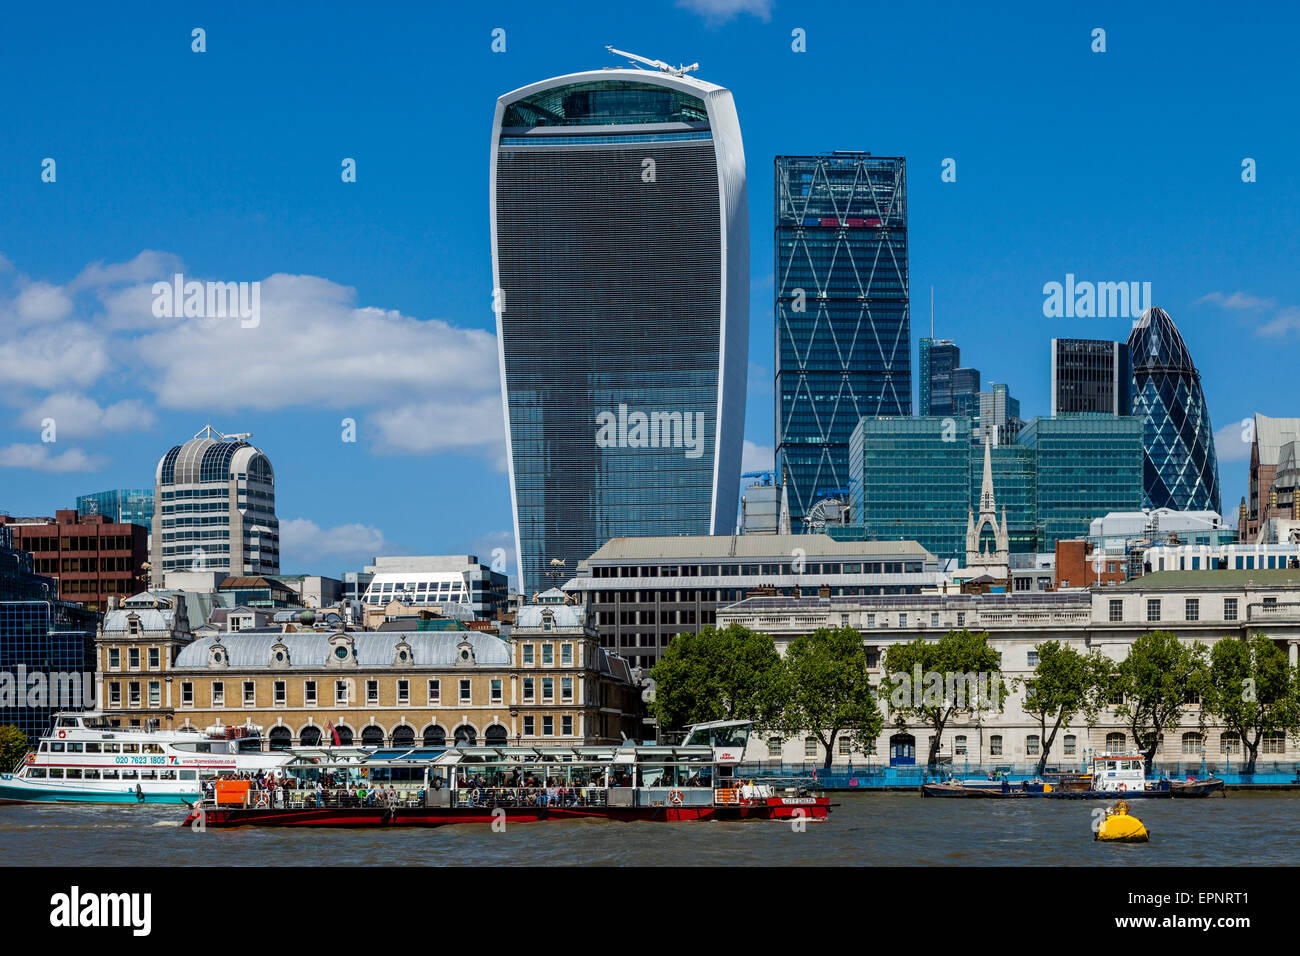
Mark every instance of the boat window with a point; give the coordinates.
(166, 774)
(148, 775)
(45, 747)
(36, 773)
(74, 748)
(187, 775)
(128, 774)
(152, 749)
(56, 748)
(91, 775)
(92, 748)
(56, 773)
(112, 748)
(110, 774)
(67, 722)
(130, 748)
(734, 736)
(74, 774)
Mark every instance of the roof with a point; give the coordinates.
(722, 547)
(563, 615)
(151, 619)
(1272, 433)
(373, 649)
(984, 601)
(1266, 578)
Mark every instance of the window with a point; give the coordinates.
(1116, 610)
(528, 727)
(774, 746)
(309, 693)
(154, 658)
(1114, 742)
(133, 693)
(115, 694)
(218, 693)
(566, 689)
(846, 746)
(995, 745)
(1070, 745)
(341, 693)
(1229, 609)
(281, 691)
(528, 689)
(114, 658)
(187, 694)
(1031, 745)
(548, 689)
(548, 726)
(435, 692)
(1153, 609)
(959, 745)
(810, 746)
(961, 618)
(934, 618)
(464, 690)
(1192, 743)
(1273, 744)
(1229, 744)
(495, 685)
(548, 653)
(528, 653)
(372, 692)
(902, 620)
(1192, 609)
(250, 693)
(155, 693)
(871, 620)
(566, 655)
(1033, 658)
(566, 726)
(403, 691)
(133, 658)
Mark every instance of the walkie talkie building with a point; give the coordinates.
(620, 258)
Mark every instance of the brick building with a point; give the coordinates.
(92, 557)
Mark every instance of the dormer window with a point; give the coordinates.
(133, 626)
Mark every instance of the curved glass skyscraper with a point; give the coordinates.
(1180, 469)
(620, 257)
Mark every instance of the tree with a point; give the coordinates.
(717, 675)
(1065, 683)
(1160, 676)
(931, 681)
(828, 690)
(1253, 691)
(13, 744)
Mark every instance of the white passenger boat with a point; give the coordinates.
(84, 759)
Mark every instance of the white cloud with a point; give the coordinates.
(42, 302)
(1285, 321)
(1237, 301)
(440, 425)
(1231, 441)
(720, 11)
(67, 355)
(39, 458)
(307, 546)
(757, 457)
(148, 265)
(76, 415)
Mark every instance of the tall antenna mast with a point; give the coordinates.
(931, 311)
(659, 65)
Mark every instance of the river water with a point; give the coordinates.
(880, 829)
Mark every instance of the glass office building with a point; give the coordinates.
(1181, 470)
(620, 257)
(121, 505)
(1091, 375)
(40, 634)
(936, 361)
(1086, 466)
(843, 333)
(1015, 479)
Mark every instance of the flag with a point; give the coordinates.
(334, 734)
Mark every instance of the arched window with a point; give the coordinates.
(495, 735)
(1114, 742)
(281, 738)
(1031, 745)
(435, 736)
(1229, 744)
(345, 735)
(403, 736)
(310, 736)
(1273, 744)
(1192, 743)
(1070, 745)
(372, 736)
(810, 746)
(466, 736)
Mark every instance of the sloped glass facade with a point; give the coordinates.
(1180, 468)
(843, 330)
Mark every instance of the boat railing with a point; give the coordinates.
(530, 797)
(280, 798)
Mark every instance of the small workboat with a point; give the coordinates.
(1113, 774)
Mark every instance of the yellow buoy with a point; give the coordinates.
(1119, 826)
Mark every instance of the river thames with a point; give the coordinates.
(884, 829)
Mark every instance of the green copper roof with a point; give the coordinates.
(1274, 578)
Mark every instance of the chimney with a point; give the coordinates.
(112, 602)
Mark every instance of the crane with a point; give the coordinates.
(655, 64)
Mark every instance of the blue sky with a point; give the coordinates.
(376, 295)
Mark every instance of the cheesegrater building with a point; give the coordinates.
(620, 260)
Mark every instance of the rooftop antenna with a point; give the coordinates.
(659, 65)
(932, 312)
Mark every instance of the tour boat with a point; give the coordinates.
(695, 780)
(1113, 774)
(84, 759)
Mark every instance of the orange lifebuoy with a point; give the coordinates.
(63, 733)
(1123, 786)
(31, 758)
(675, 798)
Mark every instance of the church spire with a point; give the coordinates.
(986, 489)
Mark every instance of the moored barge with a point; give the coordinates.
(424, 787)
(1113, 774)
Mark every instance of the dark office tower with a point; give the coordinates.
(1180, 469)
(1091, 375)
(620, 257)
(966, 391)
(939, 357)
(843, 335)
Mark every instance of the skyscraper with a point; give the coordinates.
(215, 508)
(843, 332)
(620, 258)
(1181, 470)
(1091, 375)
(938, 359)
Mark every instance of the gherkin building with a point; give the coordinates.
(1180, 469)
